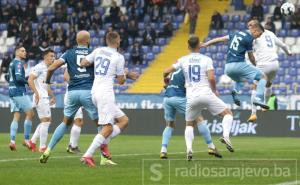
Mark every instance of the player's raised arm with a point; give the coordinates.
(31, 79)
(56, 64)
(169, 70)
(283, 46)
(216, 40)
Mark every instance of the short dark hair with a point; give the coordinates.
(193, 42)
(18, 47)
(47, 51)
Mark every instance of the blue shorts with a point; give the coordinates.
(20, 103)
(80, 98)
(173, 104)
(240, 71)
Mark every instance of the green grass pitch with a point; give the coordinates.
(256, 161)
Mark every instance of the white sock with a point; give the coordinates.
(44, 134)
(36, 134)
(226, 124)
(116, 131)
(189, 138)
(268, 92)
(253, 95)
(75, 134)
(163, 149)
(211, 145)
(98, 140)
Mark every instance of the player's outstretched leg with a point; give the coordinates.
(57, 135)
(235, 92)
(226, 124)
(204, 131)
(167, 133)
(259, 99)
(99, 139)
(253, 116)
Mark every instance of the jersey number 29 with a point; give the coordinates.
(102, 65)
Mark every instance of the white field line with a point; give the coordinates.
(289, 183)
(78, 156)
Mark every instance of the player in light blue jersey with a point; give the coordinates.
(175, 101)
(79, 89)
(236, 67)
(19, 100)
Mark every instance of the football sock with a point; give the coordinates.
(57, 135)
(98, 140)
(36, 134)
(75, 134)
(44, 134)
(204, 131)
(189, 137)
(116, 131)
(268, 92)
(167, 133)
(253, 107)
(27, 129)
(13, 130)
(226, 124)
(261, 89)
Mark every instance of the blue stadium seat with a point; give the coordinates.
(235, 18)
(293, 72)
(292, 58)
(228, 25)
(225, 18)
(246, 18)
(202, 50)
(175, 25)
(156, 49)
(213, 33)
(57, 49)
(266, 9)
(281, 72)
(96, 2)
(220, 56)
(101, 33)
(268, 2)
(282, 33)
(47, 11)
(294, 33)
(92, 33)
(240, 25)
(100, 10)
(150, 56)
(127, 56)
(223, 32)
(55, 26)
(3, 26)
(281, 57)
(141, 26)
(69, 11)
(179, 18)
(66, 26)
(213, 49)
(145, 49)
(161, 41)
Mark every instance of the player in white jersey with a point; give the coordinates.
(109, 65)
(201, 92)
(265, 51)
(41, 100)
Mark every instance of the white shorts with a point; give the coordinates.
(108, 111)
(196, 104)
(269, 68)
(43, 107)
(79, 114)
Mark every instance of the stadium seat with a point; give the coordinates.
(213, 33)
(294, 33)
(69, 10)
(175, 25)
(266, 9)
(179, 18)
(235, 18)
(141, 26)
(127, 56)
(282, 33)
(268, 2)
(149, 56)
(156, 49)
(225, 18)
(3, 26)
(161, 41)
(145, 49)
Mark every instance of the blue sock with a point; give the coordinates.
(166, 136)
(27, 129)
(57, 135)
(260, 90)
(13, 130)
(204, 131)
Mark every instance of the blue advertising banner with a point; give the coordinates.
(154, 101)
